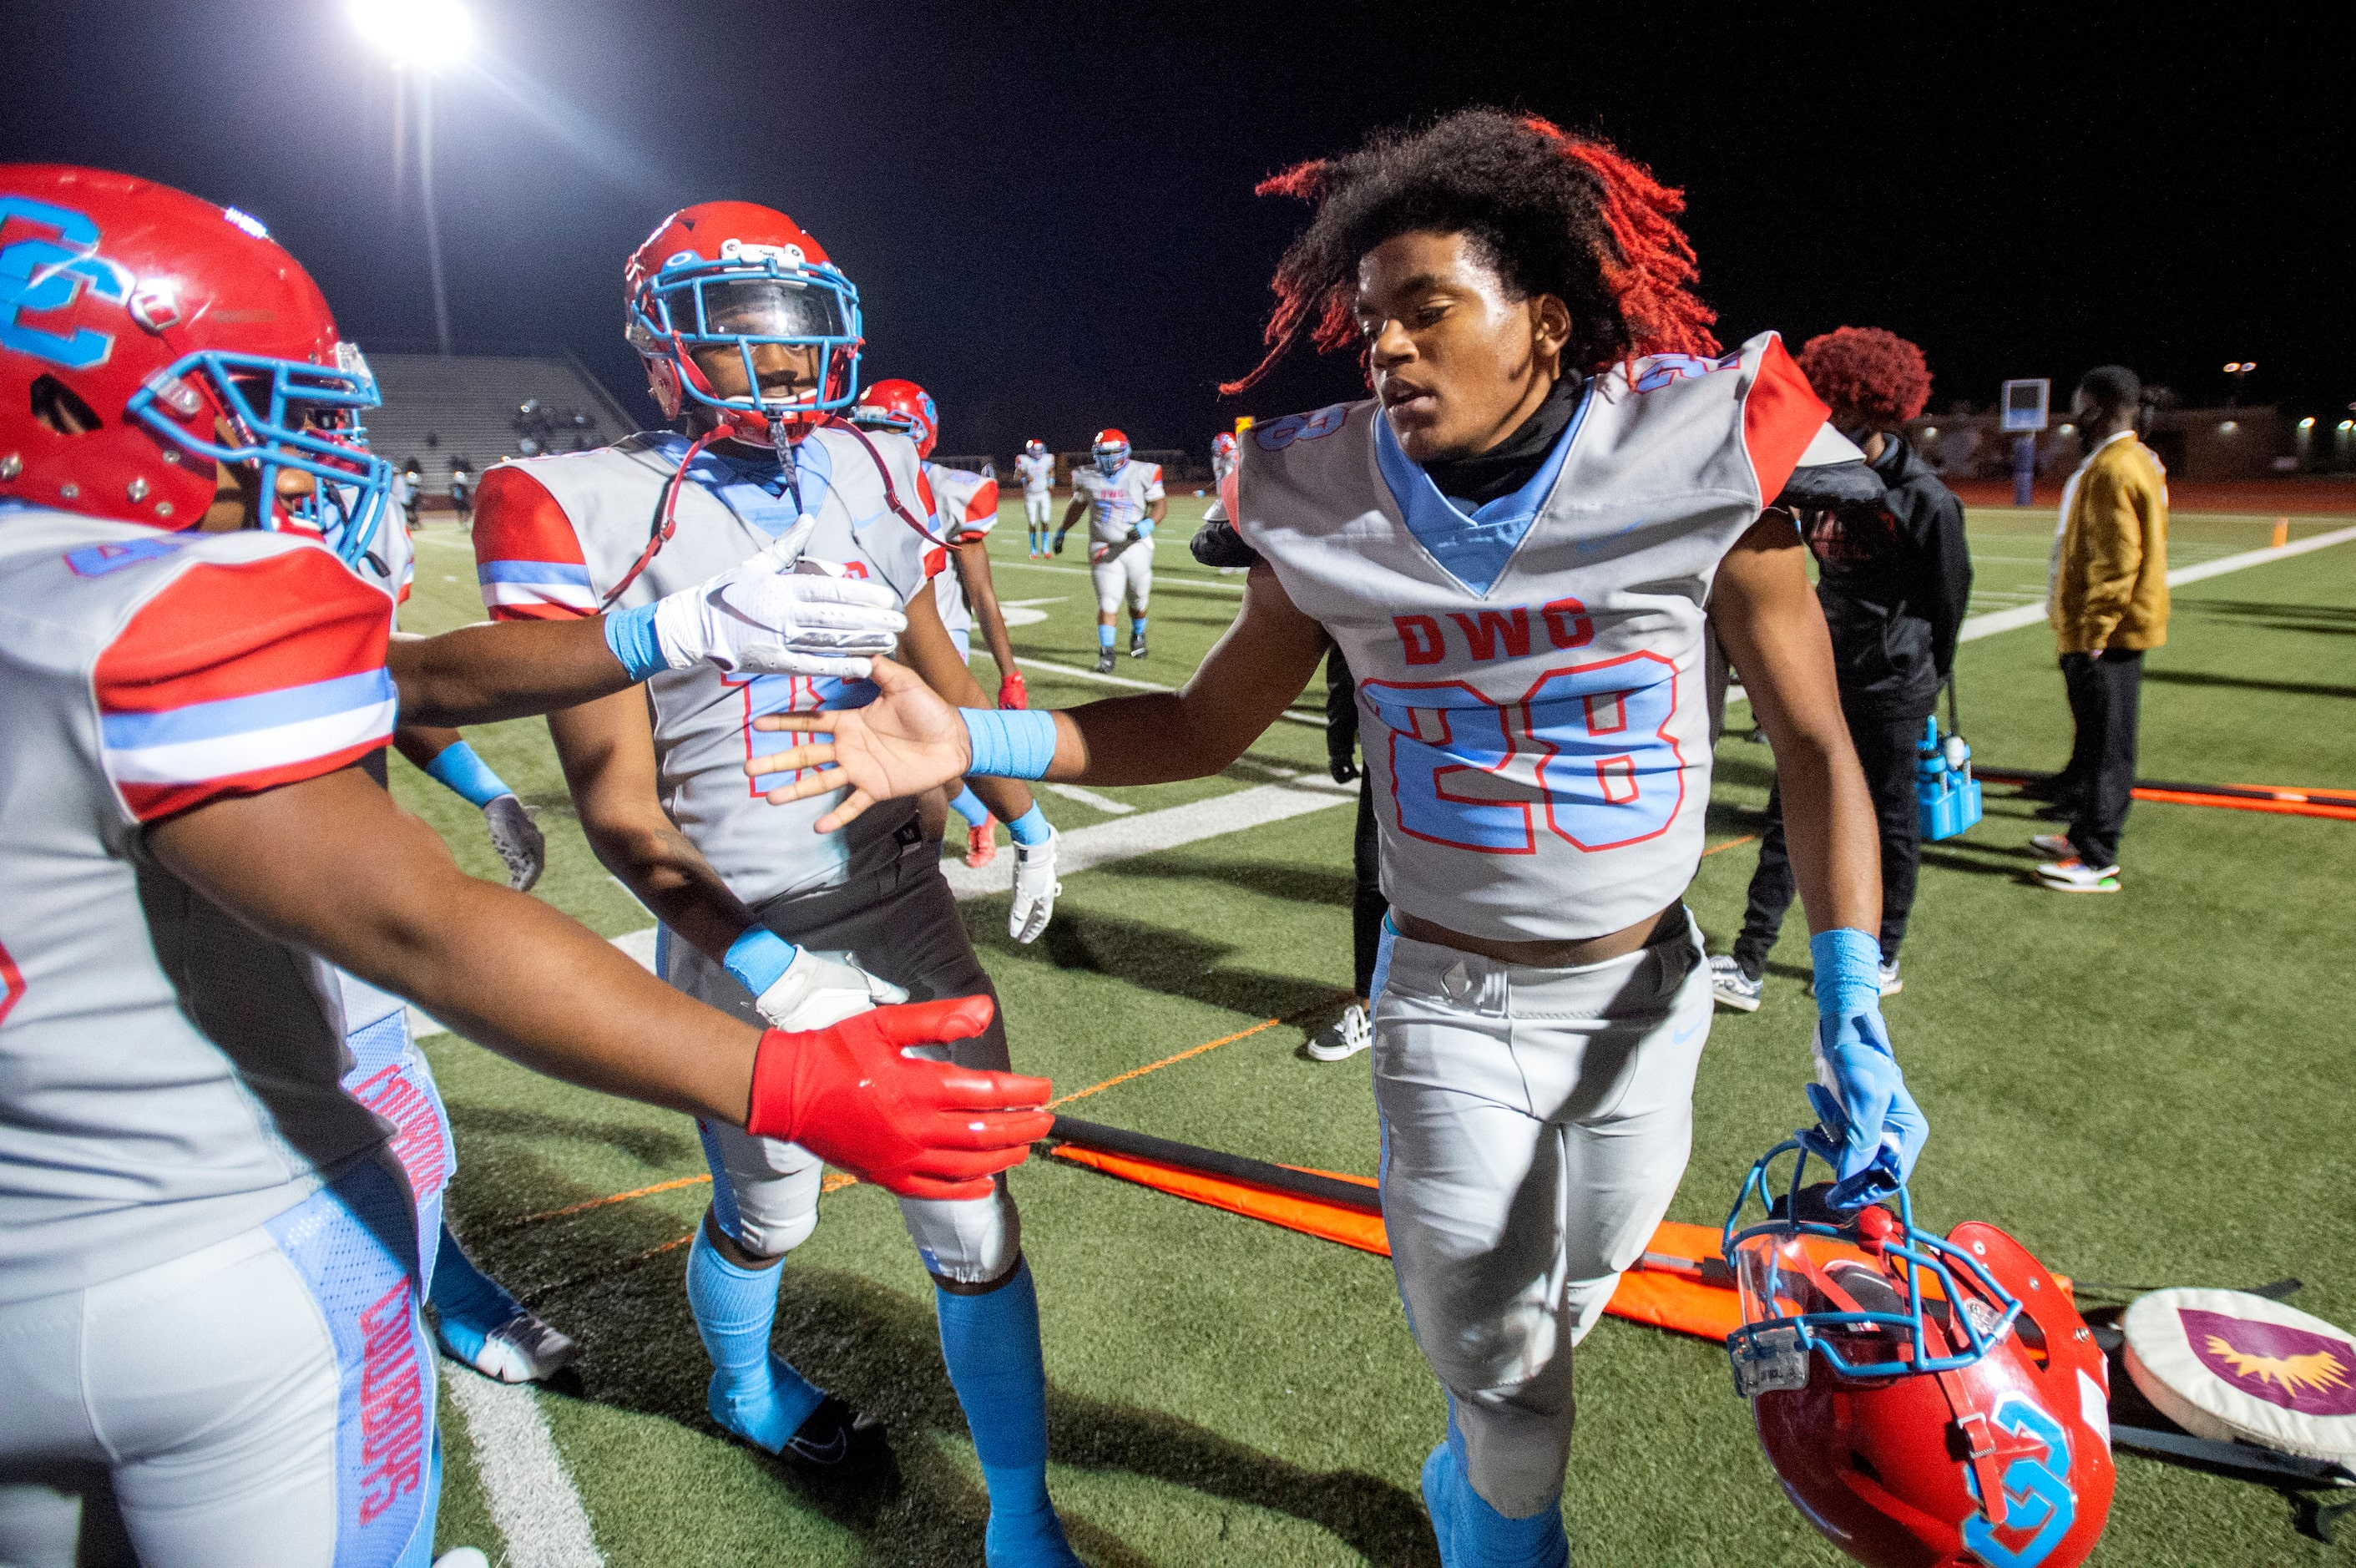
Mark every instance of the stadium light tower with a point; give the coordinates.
(2240, 370)
(426, 36)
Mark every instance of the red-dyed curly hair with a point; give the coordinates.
(1553, 213)
(1877, 373)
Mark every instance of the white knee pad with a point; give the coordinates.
(764, 1192)
(972, 1240)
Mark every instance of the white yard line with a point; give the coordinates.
(1104, 803)
(531, 1499)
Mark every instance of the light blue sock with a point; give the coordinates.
(468, 1301)
(968, 805)
(1475, 1535)
(1137, 626)
(1104, 638)
(992, 1344)
(755, 1393)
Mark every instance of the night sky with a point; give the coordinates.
(1048, 208)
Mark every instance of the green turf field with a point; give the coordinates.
(2147, 1088)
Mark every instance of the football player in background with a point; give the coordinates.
(210, 1255)
(1223, 456)
(965, 509)
(750, 338)
(1037, 466)
(1124, 502)
(1512, 543)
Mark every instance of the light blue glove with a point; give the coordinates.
(1869, 1129)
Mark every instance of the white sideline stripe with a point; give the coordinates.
(532, 1497)
(1995, 621)
(1104, 803)
(1149, 832)
(1317, 720)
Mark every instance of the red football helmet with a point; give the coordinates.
(1035, 449)
(1111, 450)
(902, 407)
(145, 335)
(1222, 444)
(735, 276)
(1926, 1403)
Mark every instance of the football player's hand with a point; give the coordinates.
(1869, 1129)
(1011, 692)
(905, 742)
(1343, 765)
(1036, 888)
(851, 1095)
(766, 616)
(517, 838)
(818, 988)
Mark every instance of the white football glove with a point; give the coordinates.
(517, 838)
(765, 617)
(819, 989)
(1034, 889)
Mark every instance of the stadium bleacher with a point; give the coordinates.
(438, 410)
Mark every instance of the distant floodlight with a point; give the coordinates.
(2227, 427)
(2347, 425)
(430, 33)
(2307, 424)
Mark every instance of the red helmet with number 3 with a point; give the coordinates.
(1926, 1402)
(904, 408)
(146, 335)
(735, 277)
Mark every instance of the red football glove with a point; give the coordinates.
(1011, 693)
(921, 1129)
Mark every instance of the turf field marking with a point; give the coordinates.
(1166, 1061)
(531, 1499)
(1105, 803)
(1161, 580)
(583, 1208)
(2034, 613)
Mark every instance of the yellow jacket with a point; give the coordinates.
(2111, 572)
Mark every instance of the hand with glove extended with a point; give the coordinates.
(1011, 692)
(1869, 1128)
(1035, 889)
(795, 988)
(773, 615)
(850, 1094)
(518, 839)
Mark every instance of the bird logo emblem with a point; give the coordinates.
(2312, 1374)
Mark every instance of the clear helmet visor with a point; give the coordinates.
(774, 308)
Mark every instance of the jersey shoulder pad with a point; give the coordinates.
(239, 675)
(528, 556)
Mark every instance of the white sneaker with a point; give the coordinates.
(1343, 1038)
(2074, 876)
(1730, 987)
(463, 1557)
(2055, 844)
(523, 1349)
(1890, 984)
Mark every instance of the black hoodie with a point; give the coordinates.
(1894, 580)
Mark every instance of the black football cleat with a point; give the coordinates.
(837, 1443)
(1137, 645)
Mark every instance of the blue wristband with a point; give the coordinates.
(462, 773)
(631, 635)
(1010, 743)
(1145, 527)
(1848, 973)
(758, 957)
(1031, 828)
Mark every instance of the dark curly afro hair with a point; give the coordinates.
(1553, 213)
(1877, 373)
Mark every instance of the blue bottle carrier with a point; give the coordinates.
(1946, 796)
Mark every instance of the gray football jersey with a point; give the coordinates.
(1118, 504)
(168, 1077)
(554, 535)
(1529, 675)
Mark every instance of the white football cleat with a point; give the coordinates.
(1730, 987)
(1343, 1038)
(523, 1349)
(2074, 876)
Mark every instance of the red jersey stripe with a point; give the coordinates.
(1780, 417)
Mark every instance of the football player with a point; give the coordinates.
(1223, 456)
(1512, 543)
(965, 509)
(1125, 503)
(210, 1255)
(1037, 466)
(750, 336)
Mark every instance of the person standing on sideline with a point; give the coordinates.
(1037, 466)
(462, 492)
(2108, 606)
(1353, 1031)
(1894, 578)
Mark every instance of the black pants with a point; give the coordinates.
(1368, 905)
(2105, 695)
(1888, 750)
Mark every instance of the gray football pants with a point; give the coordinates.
(1536, 1123)
(899, 924)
